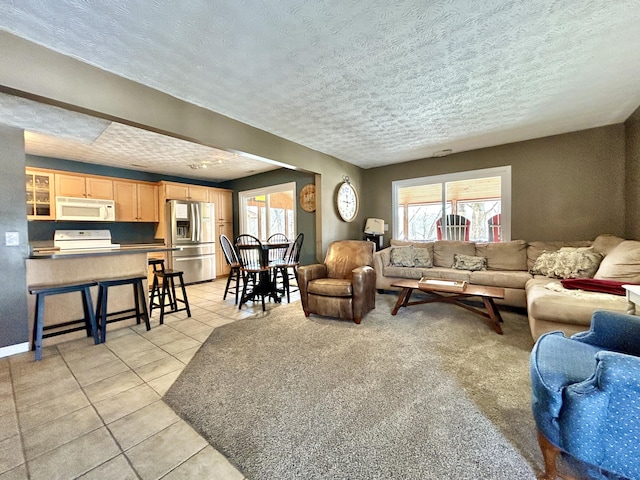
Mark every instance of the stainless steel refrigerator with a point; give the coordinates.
(191, 226)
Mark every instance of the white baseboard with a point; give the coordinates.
(14, 349)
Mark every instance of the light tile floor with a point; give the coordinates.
(96, 411)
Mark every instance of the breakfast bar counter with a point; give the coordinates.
(53, 253)
(50, 266)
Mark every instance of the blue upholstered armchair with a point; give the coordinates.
(586, 396)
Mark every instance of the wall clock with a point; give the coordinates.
(308, 198)
(347, 200)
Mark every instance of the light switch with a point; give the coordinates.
(12, 239)
(386, 227)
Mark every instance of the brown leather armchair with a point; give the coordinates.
(344, 286)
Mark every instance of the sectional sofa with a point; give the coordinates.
(532, 274)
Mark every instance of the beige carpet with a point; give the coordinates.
(432, 393)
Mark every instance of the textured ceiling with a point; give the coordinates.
(54, 132)
(370, 82)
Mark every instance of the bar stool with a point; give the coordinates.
(168, 283)
(139, 311)
(158, 266)
(89, 320)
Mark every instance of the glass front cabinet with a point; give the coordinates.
(39, 195)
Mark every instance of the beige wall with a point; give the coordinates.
(632, 188)
(564, 187)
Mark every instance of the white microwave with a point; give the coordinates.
(85, 209)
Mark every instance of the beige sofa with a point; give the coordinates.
(510, 265)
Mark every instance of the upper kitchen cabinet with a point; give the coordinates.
(183, 191)
(40, 195)
(135, 201)
(223, 200)
(69, 185)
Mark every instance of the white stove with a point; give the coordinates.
(83, 239)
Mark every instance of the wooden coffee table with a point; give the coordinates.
(440, 294)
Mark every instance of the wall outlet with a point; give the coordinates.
(12, 239)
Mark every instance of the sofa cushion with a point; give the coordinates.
(403, 272)
(444, 250)
(535, 249)
(469, 262)
(442, 273)
(567, 306)
(504, 255)
(504, 279)
(622, 263)
(605, 243)
(402, 256)
(422, 258)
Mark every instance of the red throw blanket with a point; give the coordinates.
(593, 285)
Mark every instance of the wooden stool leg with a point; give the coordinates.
(141, 305)
(155, 292)
(172, 284)
(89, 315)
(136, 302)
(102, 301)
(163, 298)
(39, 326)
(184, 296)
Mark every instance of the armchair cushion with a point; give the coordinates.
(331, 287)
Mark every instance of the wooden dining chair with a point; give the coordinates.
(287, 269)
(231, 257)
(255, 270)
(278, 253)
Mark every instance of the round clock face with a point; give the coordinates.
(347, 202)
(308, 198)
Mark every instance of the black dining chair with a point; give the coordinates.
(255, 270)
(278, 253)
(287, 270)
(231, 257)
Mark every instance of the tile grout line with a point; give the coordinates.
(101, 420)
(15, 407)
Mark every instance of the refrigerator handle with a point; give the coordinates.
(194, 225)
(199, 216)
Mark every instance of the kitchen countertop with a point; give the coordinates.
(52, 252)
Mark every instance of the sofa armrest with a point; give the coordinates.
(613, 331)
(381, 259)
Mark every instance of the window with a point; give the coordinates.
(269, 210)
(422, 206)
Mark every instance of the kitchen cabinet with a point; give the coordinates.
(40, 195)
(135, 201)
(184, 191)
(224, 228)
(70, 185)
(223, 200)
